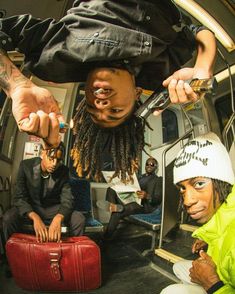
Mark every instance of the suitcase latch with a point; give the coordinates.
(54, 265)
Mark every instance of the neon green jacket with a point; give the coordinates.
(219, 234)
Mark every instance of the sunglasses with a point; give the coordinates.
(150, 164)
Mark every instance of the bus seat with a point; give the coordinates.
(152, 222)
(160, 222)
(81, 191)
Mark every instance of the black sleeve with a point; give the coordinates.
(21, 196)
(157, 192)
(197, 28)
(215, 287)
(28, 34)
(154, 194)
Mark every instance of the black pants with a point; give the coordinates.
(12, 221)
(128, 209)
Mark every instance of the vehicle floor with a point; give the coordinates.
(125, 270)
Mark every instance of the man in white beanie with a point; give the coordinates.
(204, 176)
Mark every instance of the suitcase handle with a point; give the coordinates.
(55, 265)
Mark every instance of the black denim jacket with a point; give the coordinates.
(145, 37)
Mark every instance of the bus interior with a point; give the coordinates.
(140, 258)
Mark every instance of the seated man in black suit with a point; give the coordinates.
(150, 195)
(43, 197)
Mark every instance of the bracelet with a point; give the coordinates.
(215, 287)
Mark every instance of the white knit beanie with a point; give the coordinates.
(204, 156)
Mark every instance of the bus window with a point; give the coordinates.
(2, 100)
(169, 126)
(8, 128)
(223, 109)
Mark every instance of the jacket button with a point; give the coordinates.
(4, 42)
(96, 34)
(126, 61)
(147, 17)
(91, 41)
(146, 43)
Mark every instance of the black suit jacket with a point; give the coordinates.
(152, 184)
(29, 194)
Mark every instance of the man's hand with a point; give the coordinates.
(55, 228)
(198, 245)
(37, 112)
(204, 264)
(141, 194)
(39, 227)
(35, 109)
(179, 90)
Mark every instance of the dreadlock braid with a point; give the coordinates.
(125, 144)
(222, 189)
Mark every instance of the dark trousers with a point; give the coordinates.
(128, 209)
(13, 222)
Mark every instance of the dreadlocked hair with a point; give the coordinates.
(220, 188)
(125, 144)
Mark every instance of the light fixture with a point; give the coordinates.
(225, 74)
(207, 20)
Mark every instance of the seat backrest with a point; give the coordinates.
(81, 191)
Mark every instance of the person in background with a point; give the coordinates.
(150, 195)
(43, 198)
(204, 176)
(117, 48)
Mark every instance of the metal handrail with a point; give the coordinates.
(229, 126)
(185, 136)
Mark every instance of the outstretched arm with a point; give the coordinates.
(34, 108)
(181, 92)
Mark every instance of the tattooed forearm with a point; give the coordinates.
(4, 76)
(4, 85)
(10, 75)
(17, 77)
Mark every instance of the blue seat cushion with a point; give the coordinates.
(152, 218)
(81, 191)
(91, 222)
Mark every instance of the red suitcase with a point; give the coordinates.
(72, 265)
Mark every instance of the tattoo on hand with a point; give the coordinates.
(4, 77)
(9, 72)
